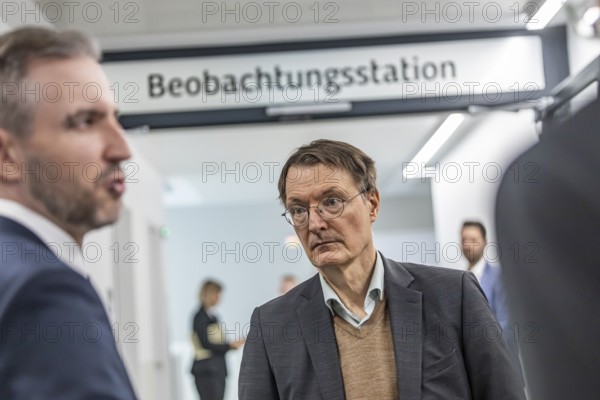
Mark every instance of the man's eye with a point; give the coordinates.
(81, 122)
(297, 210)
(87, 121)
(332, 202)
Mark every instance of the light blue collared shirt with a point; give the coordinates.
(372, 299)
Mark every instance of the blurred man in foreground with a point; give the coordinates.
(61, 147)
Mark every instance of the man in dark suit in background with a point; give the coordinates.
(366, 327)
(473, 243)
(210, 345)
(60, 147)
(548, 229)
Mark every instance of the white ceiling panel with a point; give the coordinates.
(241, 164)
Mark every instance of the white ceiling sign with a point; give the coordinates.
(446, 70)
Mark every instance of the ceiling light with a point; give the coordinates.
(435, 142)
(545, 14)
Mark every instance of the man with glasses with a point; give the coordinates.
(366, 327)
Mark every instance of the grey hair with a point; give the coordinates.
(18, 48)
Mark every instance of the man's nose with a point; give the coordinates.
(315, 219)
(117, 147)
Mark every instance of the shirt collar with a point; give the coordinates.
(60, 243)
(478, 268)
(375, 291)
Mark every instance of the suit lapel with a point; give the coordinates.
(14, 228)
(405, 310)
(317, 327)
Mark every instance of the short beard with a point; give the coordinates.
(67, 201)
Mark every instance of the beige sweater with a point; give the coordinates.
(367, 357)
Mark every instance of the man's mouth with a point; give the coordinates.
(321, 242)
(116, 184)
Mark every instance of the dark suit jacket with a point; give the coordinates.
(548, 222)
(56, 341)
(214, 365)
(447, 343)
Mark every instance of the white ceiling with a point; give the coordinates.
(201, 157)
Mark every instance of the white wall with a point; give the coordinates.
(131, 282)
(496, 138)
(469, 190)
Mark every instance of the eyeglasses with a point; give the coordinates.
(328, 208)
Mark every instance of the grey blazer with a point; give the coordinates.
(447, 343)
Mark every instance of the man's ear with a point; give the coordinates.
(9, 159)
(373, 199)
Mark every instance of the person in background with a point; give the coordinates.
(473, 243)
(288, 282)
(210, 345)
(56, 339)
